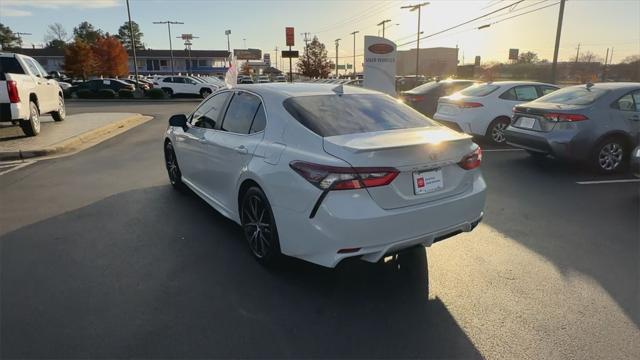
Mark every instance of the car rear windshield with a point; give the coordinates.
(330, 115)
(479, 90)
(9, 65)
(424, 88)
(573, 96)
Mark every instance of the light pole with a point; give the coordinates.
(276, 50)
(133, 48)
(557, 46)
(245, 43)
(414, 8)
(337, 45)
(169, 23)
(382, 23)
(354, 52)
(187, 45)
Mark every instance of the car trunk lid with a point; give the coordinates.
(543, 117)
(430, 153)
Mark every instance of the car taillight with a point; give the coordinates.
(471, 160)
(344, 178)
(560, 117)
(414, 97)
(12, 89)
(468, 105)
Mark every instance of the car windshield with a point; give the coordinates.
(330, 115)
(573, 96)
(479, 90)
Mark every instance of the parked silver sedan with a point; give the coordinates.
(595, 123)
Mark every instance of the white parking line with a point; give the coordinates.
(499, 150)
(14, 167)
(596, 182)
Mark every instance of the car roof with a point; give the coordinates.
(613, 85)
(513, 83)
(287, 90)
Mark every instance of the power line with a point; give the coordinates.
(370, 11)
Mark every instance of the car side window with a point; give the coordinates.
(33, 68)
(167, 80)
(544, 90)
(636, 99)
(526, 93)
(178, 80)
(259, 121)
(240, 114)
(208, 113)
(627, 103)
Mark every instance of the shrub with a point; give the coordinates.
(106, 94)
(84, 94)
(156, 93)
(125, 94)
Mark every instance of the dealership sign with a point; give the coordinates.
(248, 54)
(379, 65)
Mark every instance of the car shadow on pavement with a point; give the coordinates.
(589, 229)
(158, 273)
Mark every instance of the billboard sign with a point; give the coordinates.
(477, 61)
(289, 54)
(290, 36)
(266, 58)
(379, 64)
(513, 54)
(248, 54)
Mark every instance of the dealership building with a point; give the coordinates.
(204, 62)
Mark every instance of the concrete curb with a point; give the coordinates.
(92, 136)
(184, 100)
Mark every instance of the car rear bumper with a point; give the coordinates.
(465, 123)
(352, 220)
(559, 144)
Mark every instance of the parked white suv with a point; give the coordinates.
(26, 92)
(173, 85)
(486, 109)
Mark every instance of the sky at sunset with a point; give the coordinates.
(595, 24)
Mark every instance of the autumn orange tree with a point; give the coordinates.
(111, 57)
(79, 60)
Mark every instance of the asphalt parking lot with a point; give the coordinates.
(99, 257)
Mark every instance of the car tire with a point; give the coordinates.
(173, 169)
(609, 155)
(259, 227)
(61, 113)
(31, 126)
(204, 92)
(168, 91)
(495, 131)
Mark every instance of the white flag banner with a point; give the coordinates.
(231, 78)
(379, 65)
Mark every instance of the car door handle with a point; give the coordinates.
(242, 150)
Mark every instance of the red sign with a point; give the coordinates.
(381, 48)
(290, 37)
(420, 182)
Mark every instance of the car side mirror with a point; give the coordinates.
(179, 120)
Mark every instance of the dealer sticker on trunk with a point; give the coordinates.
(425, 182)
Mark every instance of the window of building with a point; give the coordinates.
(163, 62)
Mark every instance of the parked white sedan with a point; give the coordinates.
(325, 172)
(173, 85)
(486, 109)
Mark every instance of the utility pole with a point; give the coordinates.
(354, 52)
(169, 23)
(383, 22)
(554, 65)
(578, 53)
(187, 46)
(611, 57)
(245, 43)
(306, 40)
(604, 69)
(19, 35)
(417, 7)
(337, 45)
(133, 48)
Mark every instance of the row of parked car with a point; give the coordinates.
(596, 124)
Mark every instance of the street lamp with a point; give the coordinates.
(133, 48)
(354, 52)
(245, 43)
(169, 23)
(414, 8)
(187, 44)
(382, 23)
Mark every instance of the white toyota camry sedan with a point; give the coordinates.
(323, 172)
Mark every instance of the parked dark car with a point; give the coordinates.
(143, 84)
(99, 84)
(597, 124)
(424, 98)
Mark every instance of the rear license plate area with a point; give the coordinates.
(428, 181)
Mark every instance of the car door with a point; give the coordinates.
(191, 86)
(625, 115)
(41, 88)
(516, 95)
(53, 88)
(179, 86)
(237, 137)
(192, 148)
